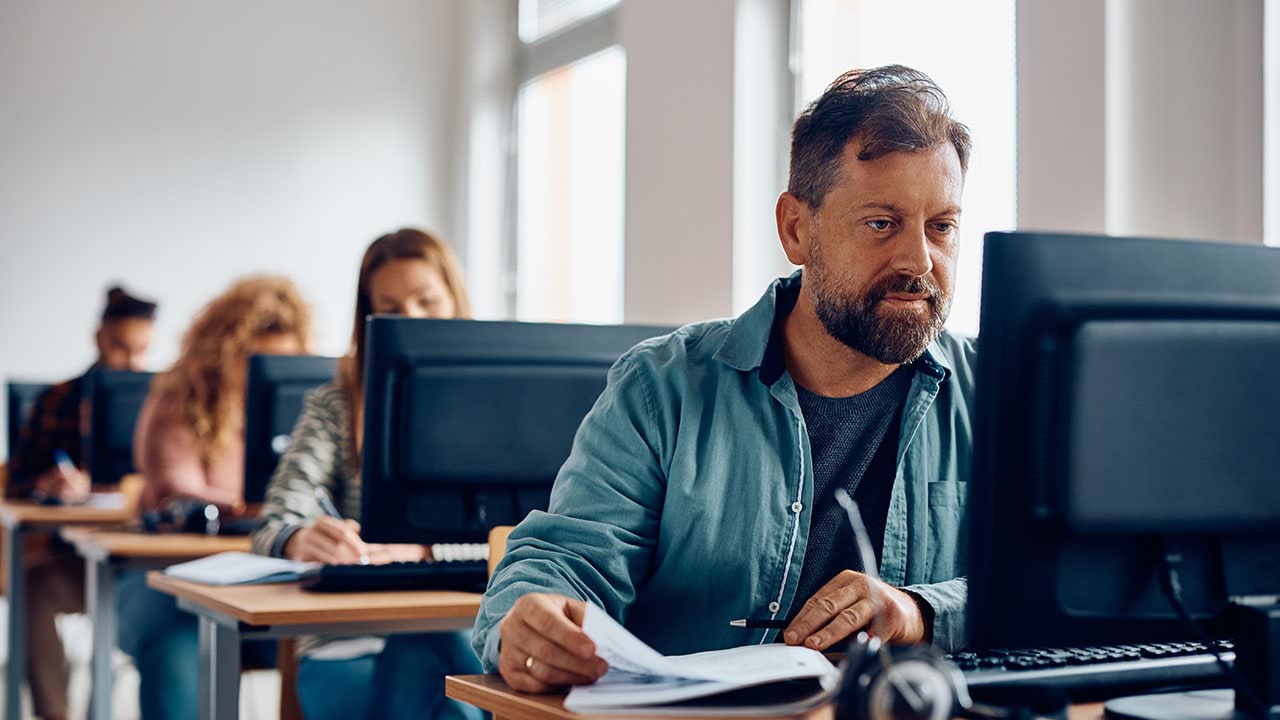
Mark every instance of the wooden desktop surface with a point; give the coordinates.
(99, 543)
(490, 693)
(23, 513)
(289, 604)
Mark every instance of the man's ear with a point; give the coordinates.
(795, 222)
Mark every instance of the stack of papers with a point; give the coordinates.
(238, 568)
(755, 680)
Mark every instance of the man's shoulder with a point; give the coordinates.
(691, 345)
(59, 395)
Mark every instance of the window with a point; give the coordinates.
(567, 254)
(968, 49)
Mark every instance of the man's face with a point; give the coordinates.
(122, 344)
(883, 248)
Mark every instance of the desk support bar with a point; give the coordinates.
(101, 593)
(219, 671)
(15, 675)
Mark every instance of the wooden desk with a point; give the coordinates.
(20, 519)
(107, 553)
(230, 615)
(489, 692)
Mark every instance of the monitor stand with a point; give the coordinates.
(1256, 633)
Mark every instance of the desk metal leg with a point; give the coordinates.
(15, 675)
(219, 671)
(101, 590)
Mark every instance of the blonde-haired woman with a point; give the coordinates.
(414, 274)
(189, 446)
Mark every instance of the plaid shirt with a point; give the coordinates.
(54, 425)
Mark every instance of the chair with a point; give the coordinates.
(498, 545)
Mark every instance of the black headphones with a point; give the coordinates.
(915, 682)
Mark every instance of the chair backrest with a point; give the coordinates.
(498, 545)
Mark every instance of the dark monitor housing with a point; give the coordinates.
(276, 388)
(1127, 411)
(113, 399)
(468, 422)
(22, 400)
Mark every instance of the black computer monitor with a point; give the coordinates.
(468, 422)
(275, 391)
(1127, 413)
(22, 400)
(113, 399)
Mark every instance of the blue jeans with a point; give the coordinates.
(405, 680)
(164, 643)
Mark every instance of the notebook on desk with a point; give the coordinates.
(239, 568)
(764, 680)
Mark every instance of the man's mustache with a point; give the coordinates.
(903, 284)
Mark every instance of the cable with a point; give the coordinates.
(1172, 586)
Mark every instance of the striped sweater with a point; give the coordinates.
(319, 454)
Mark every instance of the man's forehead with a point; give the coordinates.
(898, 181)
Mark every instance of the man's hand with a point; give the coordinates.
(543, 646)
(71, 486)
(327, 540)
(845, 606)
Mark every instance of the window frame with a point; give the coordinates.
(566, 46)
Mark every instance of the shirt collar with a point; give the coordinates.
(755, 340)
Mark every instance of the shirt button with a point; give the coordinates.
(774, 607)
(796, 507)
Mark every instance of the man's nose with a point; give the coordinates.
(911, 255)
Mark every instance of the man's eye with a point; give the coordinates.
(944, 226)
(880, 224)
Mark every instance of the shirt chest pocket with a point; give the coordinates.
(947, 546)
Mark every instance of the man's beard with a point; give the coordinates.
(891, 337)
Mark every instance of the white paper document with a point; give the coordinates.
(105, 501)
(640, 677)
(238, 568)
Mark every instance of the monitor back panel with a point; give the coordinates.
(467, 422)
(114, 400)
(21, 401)
(275, 392)
(1120, 412)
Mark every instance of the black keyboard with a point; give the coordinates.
(1094, 672)
(464, 575)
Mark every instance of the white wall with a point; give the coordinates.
(1271, 124)
(1142, 117)
(1184, 119)
(175, 144)
(1061, 122)
(679, 196)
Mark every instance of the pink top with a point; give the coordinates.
(165, 453)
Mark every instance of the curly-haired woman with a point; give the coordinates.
(189, 445)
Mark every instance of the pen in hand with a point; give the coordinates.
(331, 510)
(760, 623)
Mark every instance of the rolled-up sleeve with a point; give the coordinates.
(947, 602)
(597, 538)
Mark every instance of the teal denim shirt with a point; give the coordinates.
(685, 501)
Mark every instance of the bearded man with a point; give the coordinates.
(700, 488)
